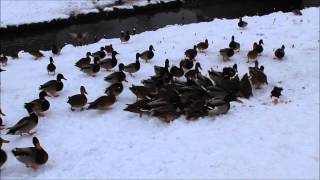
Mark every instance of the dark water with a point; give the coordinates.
(192, 11)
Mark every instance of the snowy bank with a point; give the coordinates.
(254, 140)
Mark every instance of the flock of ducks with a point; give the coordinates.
(166, 94)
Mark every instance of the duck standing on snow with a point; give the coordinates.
(3, 59)
(147, 55)
(253, 54)
(191, 53)
(297, 12)
(276, 92)
(124, 37)
(242, 24)
(78, 100)
(114, 89)
(40, 105)
(51, 68)
(109, 63)
(26, 124)
(103, 102)
(55, 49)
(1, 121)
(92, 69)
(159, 71)
(218, 106)
(31, 156)
(203, 45)
(226, 53)
(133, 67)
(84, 61)
(234, 45)
(108, 48)
(259, 47)
(3, 154)
(118, 76)
(279, 53)
(53, 86)
(177, 71)
(36, 54)
(245, 87)
(258, 77)
(193, 74)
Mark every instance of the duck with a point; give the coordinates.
(103, 102)
(297, 12)
(40, 105)
(203, 45)
(191, 53)
(51, 68)
(193, 74)
(92, 69)
(147, 55)
(79, 100)
(55, 49)
(242, 24)
(118, 76)
(133, 67)
(159, 71)
(124, 37)
(3, 59)
(234, 45)
(230, 72)
(52, 87)
(31, 157)
(26, 124)
(36, 54)
(177, 71)
(259, 47)
(226, 53)
(3, 154)
(279, 53)
(84, 61)
(276, 92)
(1, 121)
(114, 89)
(253, 54)
(258, 77)
(245, 87)
(109, 63)
(187, 64)
(99, 54)
(218, 106)
(109, 49)
(143, 92)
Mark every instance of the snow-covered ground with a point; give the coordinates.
(16, 12)
(254, 140)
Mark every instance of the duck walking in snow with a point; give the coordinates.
(226, 53)
(26, 124)
(78, 101)
(276, 92)
(109, 63)
(40, 105)
(114, 89)
(92, 69)
(253, 54)
(133, 67)
(279, 53)
(242, 24)
(3, 154)
(219, 106)
(234, 45)
(51, 68)
(118, 76)
(203, 45)
(147, 55)
(191, 53)
(124, 37)
(54, 86)
(84, 61)
(31, 157)
(257, 75)
(103, 102)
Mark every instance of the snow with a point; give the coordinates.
(25, 11)
(254, 140)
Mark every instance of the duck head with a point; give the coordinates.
(167, 63)
(43, 94)
(51, 60)
(83, 90)
(88, 54)
(114, 53)
(261, 42)
(60, 76)
(36, 143)
(121, 67)
(282, 47)
(101, 48)
(255, 45)
(232, 38)
(198, 66)
(151, 48)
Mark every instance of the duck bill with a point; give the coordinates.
(86, 92)
(64, 78)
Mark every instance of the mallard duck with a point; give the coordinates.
(297, 12)
(114, 89)
(109, 63)
(191, 53)
(103, 102)
(31, 156)
(193, 74)
(118, 76)
(279, 53)
(3, 59)
(143, 92)
(84, 61)
(36, 54)
(187, 64)
(177, 71)
(147, 55)
(78, 100)
(26, 124)
(92, 69)
(159, 71)
(241, 23)
(3, 154)
(40, 105)
(259, 47)
(258, 78)
(108, 48)
(226, 53)
(133, 67)
(203, 45)
(219, 106)
(1, 122)
(253, 54)
(51, 68)
(54, 86)
(124, 37)
(276, 92)
(245, 87)
(234, 45)
(99, 54)
(55, 49)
